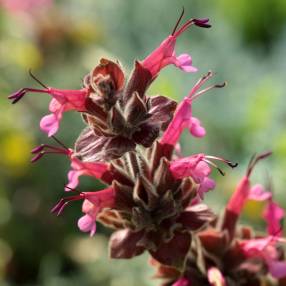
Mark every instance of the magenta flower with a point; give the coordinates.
(94, 203)
(165, 54)
(197, 167)
(183, 115)
(242, 194)
(63, 100)
(154, 195)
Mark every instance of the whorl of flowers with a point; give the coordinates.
(154, 196)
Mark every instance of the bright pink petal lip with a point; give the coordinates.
(87, 224)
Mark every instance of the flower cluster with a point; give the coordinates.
(154, 197)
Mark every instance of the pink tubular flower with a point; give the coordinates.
(188, 166)
(93, 203)
(79, 168)
(197, 167)
(63, 100)
(99, 170)
(183, 115)
(165, 54)
(243, 190)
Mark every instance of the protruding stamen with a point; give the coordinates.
(36, 79)
(229, 163)
(43, 149)
(59, 207)
(178, 21)
(43, 146)
(208, 159)
(198, 22)
(37, 157)
(200, 83)
(16, 96)
(196, 95)
(255, 159)
(214, 165)
(183, 28)
(38, 149)
(59, 142)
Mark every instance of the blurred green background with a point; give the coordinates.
(61, 41)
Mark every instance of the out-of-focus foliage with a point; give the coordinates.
(61, 42)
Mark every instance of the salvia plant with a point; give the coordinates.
(154, 196)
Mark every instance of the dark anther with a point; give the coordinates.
(202, 23)
(221, 85)
(232, 165)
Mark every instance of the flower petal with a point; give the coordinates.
(184, 62)
(87, 224)
(50, 124)
(258, 193)
(196, 129)
(185, 167)
(205, 186)
(79, 168)
(273, 215)
(180, 120)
